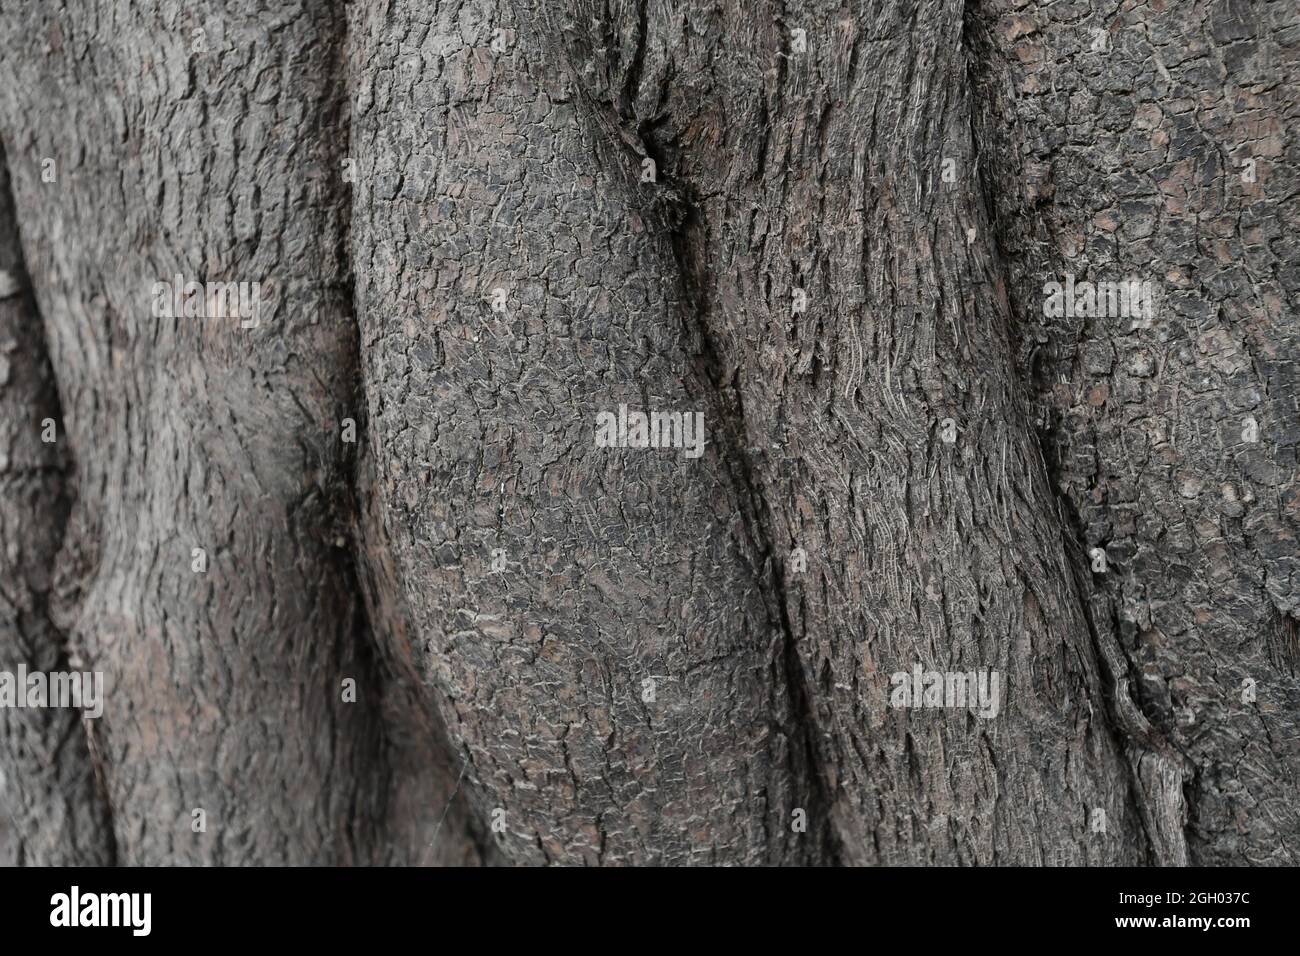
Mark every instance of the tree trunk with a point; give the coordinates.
(366, 582)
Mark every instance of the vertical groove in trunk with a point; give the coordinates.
(689, 234)
(1161, 816)
(853, 302)
(616, 679)
(196, 142)
(1157, 143)
(52, 810)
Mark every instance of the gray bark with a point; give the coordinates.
(51, 808)
(565, 653)
(1171, 153)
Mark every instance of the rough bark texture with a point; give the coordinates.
(51, 811)
(619, 567)
(827, 227)
(1130, 156)
(225, 685)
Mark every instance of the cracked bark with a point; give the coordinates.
(224, 687)
(1124, 138)
(619, 568)
(798, 269)
(51, 810)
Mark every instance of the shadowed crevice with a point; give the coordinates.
(1125, 722)
(681, 220)
(728, 408)
(413, 821)
(50, 753)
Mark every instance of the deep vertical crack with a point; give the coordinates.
(50, 405)
(686, 232)
(980, 55)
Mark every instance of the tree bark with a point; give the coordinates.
(53, 812)
(366, 587)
